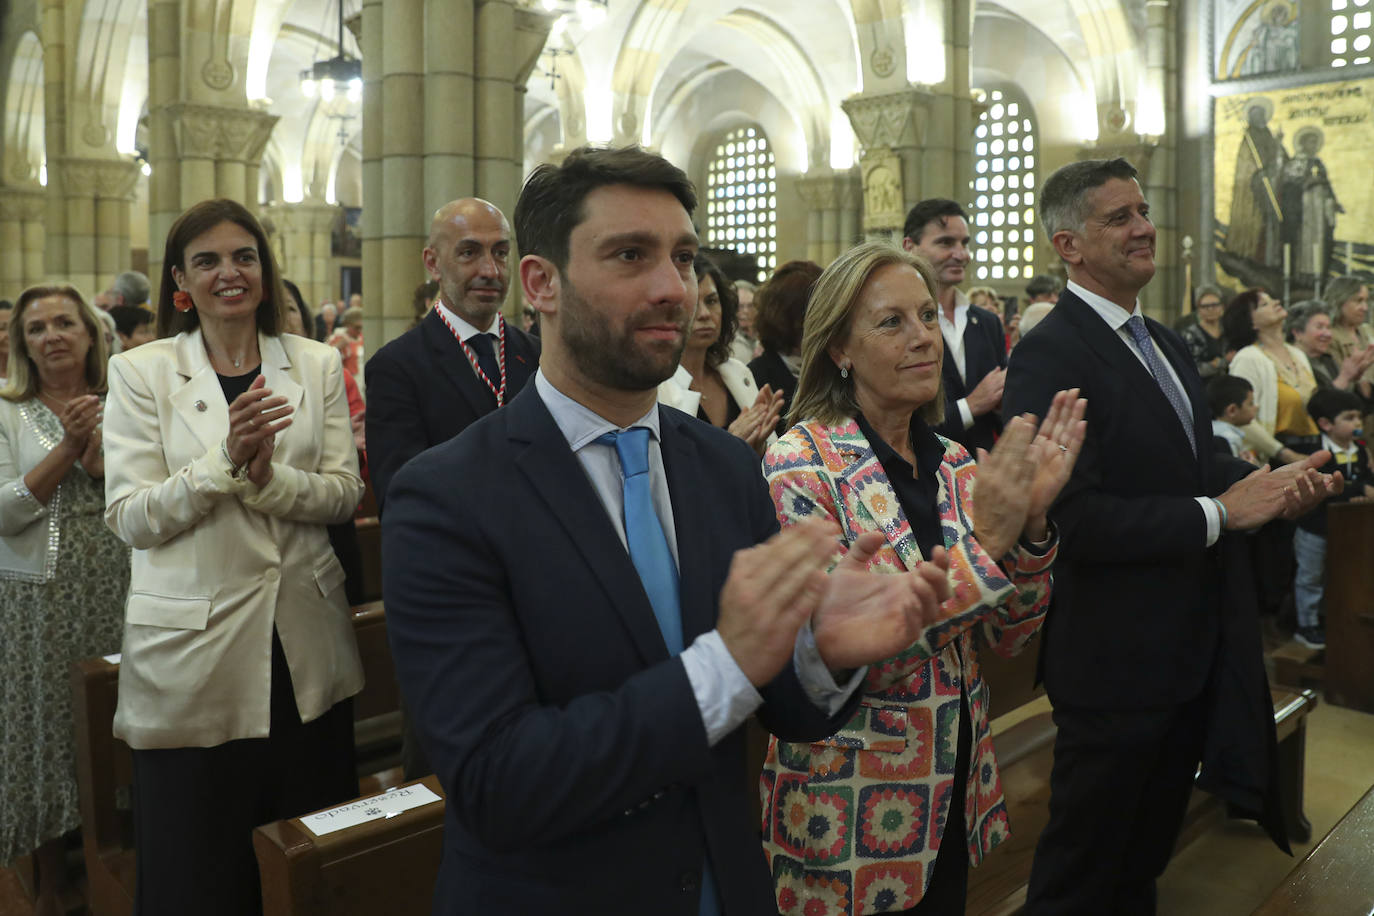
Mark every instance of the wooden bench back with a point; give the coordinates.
(104, 766)
(1349, 615)
(380, 866)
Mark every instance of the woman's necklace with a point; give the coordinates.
(1283, 360)
(50, 400)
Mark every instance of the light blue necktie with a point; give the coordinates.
(654, 562)
(644, 534)
(1141, 335)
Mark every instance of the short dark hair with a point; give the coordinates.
(1225, 391)
(933, 209)
(1063, 199)
(129, 318)
(1237, 321)
(551, 203)
(780, 305)
(197, 220)
(719, 351)
(1328, 403)
(307, 320)
(1042, 285)
(6, 305)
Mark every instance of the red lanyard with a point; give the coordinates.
(472, 354)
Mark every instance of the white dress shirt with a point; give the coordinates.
(724, 695)
(953, 333)
(466, 330)
(1116, 318)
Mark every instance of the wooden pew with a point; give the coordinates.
(380, 866)
(1025, 754)
(104, 768)
(370, 547)
(1335, 878)
(1350, 606)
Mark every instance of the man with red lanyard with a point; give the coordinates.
(461, 362)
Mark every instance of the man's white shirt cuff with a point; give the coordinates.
(964, 413)
(1209, 509)
(723, 694)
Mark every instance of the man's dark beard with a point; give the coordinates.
(607, 357)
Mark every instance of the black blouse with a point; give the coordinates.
(917, 488)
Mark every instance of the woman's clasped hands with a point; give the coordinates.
(1020, 478)
(255, 418)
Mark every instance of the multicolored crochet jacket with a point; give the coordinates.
(852, 824)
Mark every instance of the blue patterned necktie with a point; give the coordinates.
(1141, 335)
(644, 534)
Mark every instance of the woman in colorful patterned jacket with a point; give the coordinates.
(887, 814)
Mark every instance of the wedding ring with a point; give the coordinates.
(1063, 448)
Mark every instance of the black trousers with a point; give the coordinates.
(195, 807)
(1119, 790)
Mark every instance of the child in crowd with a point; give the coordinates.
(1232, 400)
(1338, 416)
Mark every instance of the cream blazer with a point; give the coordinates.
(217, 562)
(739, 381)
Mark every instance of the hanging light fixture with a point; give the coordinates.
(341, 74)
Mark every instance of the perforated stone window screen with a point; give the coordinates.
(742, 197)
(1003, 204)
(1352, 31)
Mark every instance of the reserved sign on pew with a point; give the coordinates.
(388, 804)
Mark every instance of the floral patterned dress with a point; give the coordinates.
(77, 613)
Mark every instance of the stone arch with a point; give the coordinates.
(106, 60)
(24, 148)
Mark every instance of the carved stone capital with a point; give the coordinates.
(307, 216)
(825, 189)
(22, 202)
(220, 133)
(1136, 150)
(884, 197)
(101, 178)
(890, 119)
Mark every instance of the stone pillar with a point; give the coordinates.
(897, 166)
(303, 246)
(1163, 298)
(93, 197)
(833, 209)
(442, 99)
(200, 152)
(22, 238)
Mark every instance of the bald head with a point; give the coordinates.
(468, 255)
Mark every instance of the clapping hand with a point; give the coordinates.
(1054, 452)
(756, 423)
(255, 417)
(80, 417)
(1020, 478)
(865, 617)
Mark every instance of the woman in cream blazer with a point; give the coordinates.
(228, 452)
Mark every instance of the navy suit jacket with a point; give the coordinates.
(421, 391)
(1134, 618)
(985, 349)
(568, 740)
(1144, 614)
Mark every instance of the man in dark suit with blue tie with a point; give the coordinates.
(1151, 652)
(587, 594)
(975, 363)
(462, 361)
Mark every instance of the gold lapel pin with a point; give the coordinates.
(200, 405)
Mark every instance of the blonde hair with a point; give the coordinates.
(22, 382)
(821, 393)
(988, 291)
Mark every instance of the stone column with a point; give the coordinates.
(93, 196)
(22, 238)
(1163, 298)
(303, 246)
(442, 96)
(898, 168)
(199, 152)
(833, 212)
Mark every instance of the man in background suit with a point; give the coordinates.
(587, 594)
(975, 350)
(1146, 656)
(429, 384)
